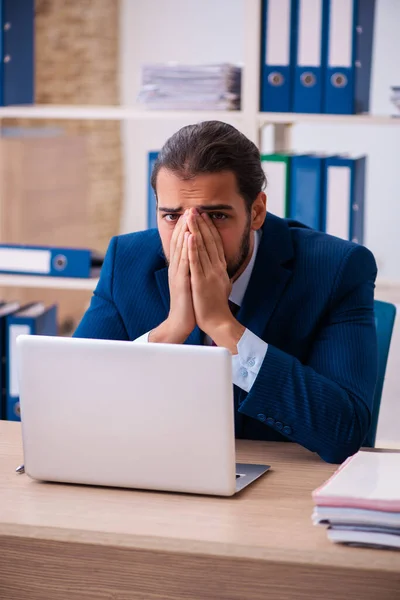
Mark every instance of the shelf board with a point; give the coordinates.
(113, 113)
(121, 113)
(61, 283)
(300, 118)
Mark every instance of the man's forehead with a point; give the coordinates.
(185, 182)
(204, 190)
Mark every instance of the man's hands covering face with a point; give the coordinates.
(199, 285)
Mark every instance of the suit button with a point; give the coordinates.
(244, 372)
(270, 421)
(261, 417)
(287, 430)
(278, 426)
(251, 362)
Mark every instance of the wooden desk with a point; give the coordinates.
(81, 543)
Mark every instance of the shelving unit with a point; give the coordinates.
(249, 120)
(59, 283)
(109, 113)
(121, 113)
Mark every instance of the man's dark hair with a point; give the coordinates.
(213, 147)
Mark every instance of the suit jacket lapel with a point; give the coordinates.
(269, 277)
(163, 286)
(196, 337)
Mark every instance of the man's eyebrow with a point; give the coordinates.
(204, 208)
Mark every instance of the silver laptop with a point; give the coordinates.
(146, 416)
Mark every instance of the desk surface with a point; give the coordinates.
(270, 521)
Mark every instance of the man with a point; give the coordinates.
(294, 306)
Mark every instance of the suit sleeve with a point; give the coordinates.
(102, 319)
(326, 404)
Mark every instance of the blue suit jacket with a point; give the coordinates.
(310, 297)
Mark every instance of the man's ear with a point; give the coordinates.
(258, 211)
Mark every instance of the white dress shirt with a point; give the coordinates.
(251, 349)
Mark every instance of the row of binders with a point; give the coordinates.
(15, 320)
(17, 52)
(360, 503)
(324, 193)
(316, 56)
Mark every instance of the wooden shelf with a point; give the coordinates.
(61, 283)
(321, 119)
(113, 113)
(120, 113)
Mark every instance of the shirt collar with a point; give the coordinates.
(239, 286)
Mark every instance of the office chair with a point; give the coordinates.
(385, 314)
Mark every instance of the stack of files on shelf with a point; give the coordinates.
(191, 87)
(324, 193)
(17, 37)
(32, 319)
(316, 56)
(360, 503)
(19, 259)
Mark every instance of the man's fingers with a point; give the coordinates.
(196, 269)
(184, 257)
(216, 237)
(179, 245)
(193, 224)
(208, 237)
(177, 229)
(177, 241)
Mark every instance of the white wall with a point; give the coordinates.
(184, 30)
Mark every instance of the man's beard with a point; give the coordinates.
(234, 267)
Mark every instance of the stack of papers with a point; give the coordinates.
(360, 503)
(395, 97)
(191, 87)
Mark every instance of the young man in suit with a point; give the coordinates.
(294, 306)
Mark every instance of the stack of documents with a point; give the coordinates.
(360, 503)
(191, 87)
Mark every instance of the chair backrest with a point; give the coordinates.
(385, 314)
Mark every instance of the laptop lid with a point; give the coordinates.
(151, 416)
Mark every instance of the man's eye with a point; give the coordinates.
(217, 216)
(172, 218)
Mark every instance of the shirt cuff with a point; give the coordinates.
(143, 339)
(247, 363)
